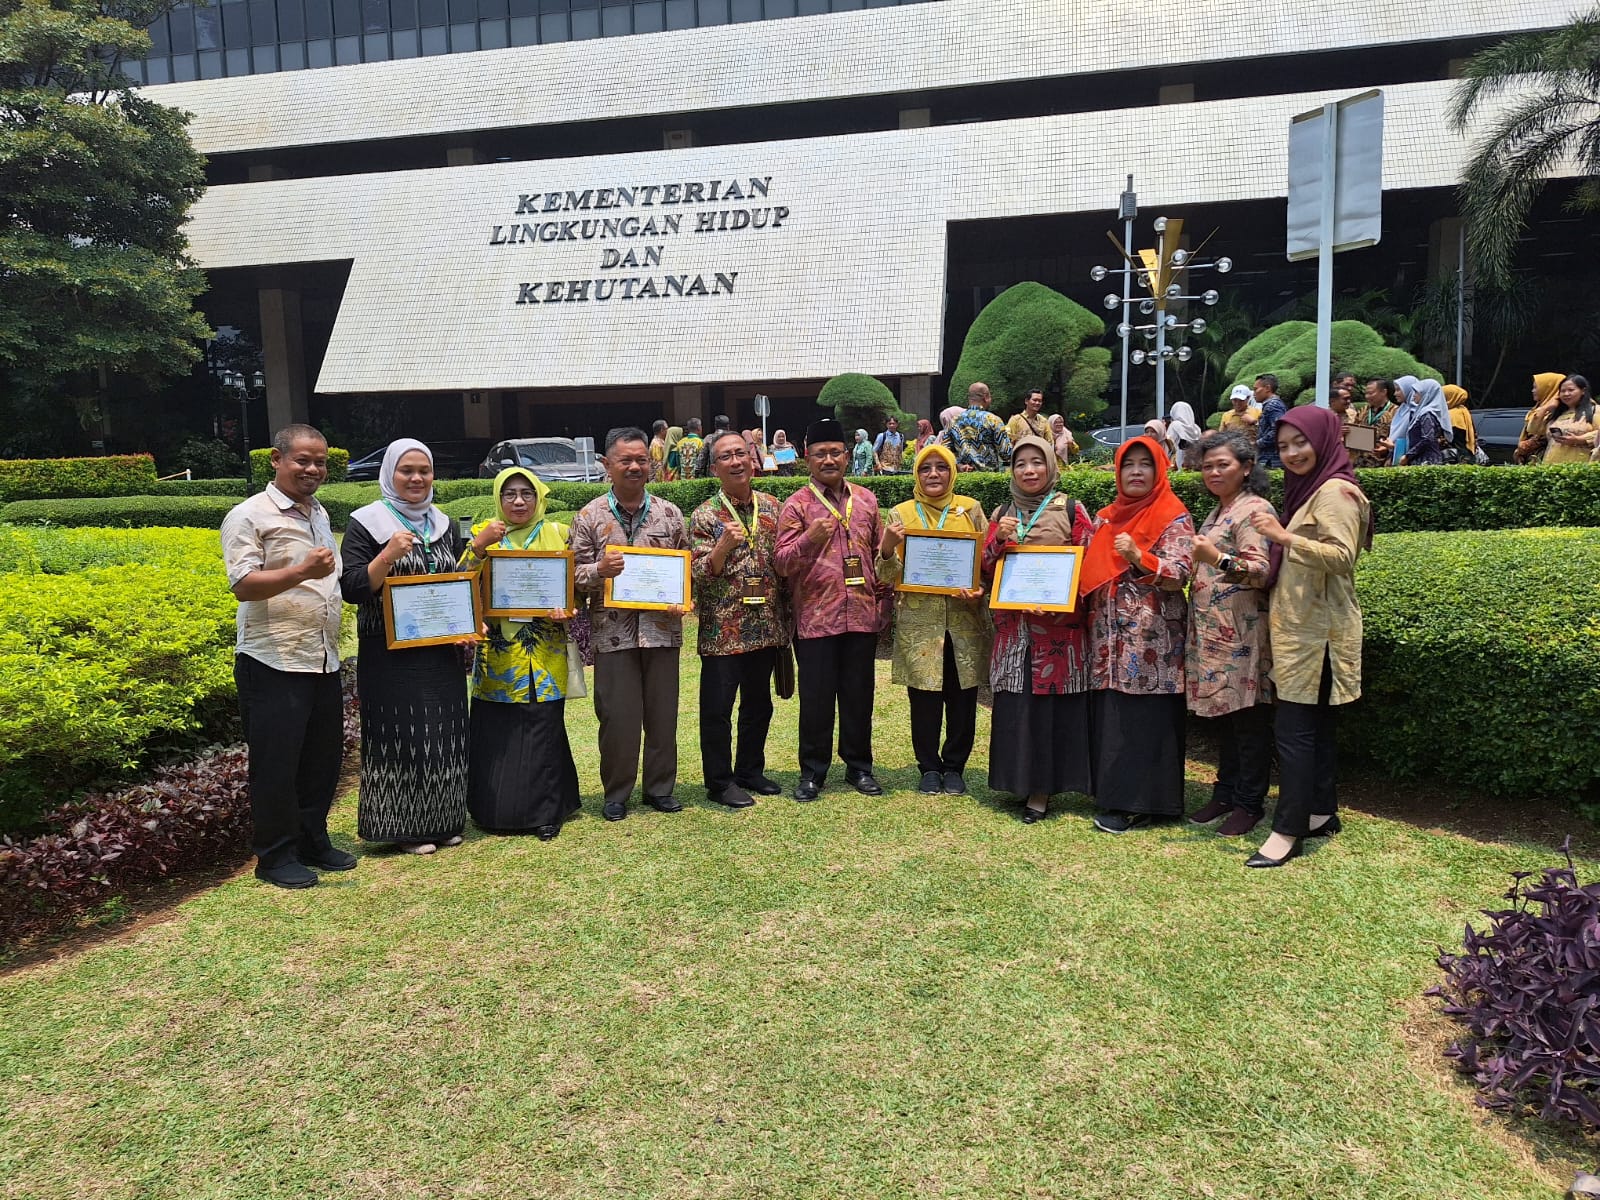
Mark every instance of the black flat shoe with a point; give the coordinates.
(865, 784)
(546, 833)
(732, 796)
(664, 804)
(1328, 828)
(932, 783)
(1259, 859)
(291, 874)
(806, 790)
(1032, 816)
(954, 784)
(761, 786)
(331, 858)
(614, 810)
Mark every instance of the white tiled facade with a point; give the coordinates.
(852, 277)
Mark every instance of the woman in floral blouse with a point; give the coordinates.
(521, 777)
(1229, 655)
(1039, 667)
(1133, 577)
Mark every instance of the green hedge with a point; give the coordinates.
(195, 512)
(1482, 660)
(261, 465)
(197, 487)
(43, 478)
(103, 666)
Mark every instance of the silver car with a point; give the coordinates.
(553, 459)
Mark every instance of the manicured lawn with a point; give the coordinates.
(905, 996)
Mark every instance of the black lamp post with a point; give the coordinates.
(246, 390)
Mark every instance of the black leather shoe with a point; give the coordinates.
(666, 804)
(289, 874)
(954, 784)
(546, 833)
(732, 796)
(932, 783)
(864, 783)
(806, 790)
(327, 858)
(1032, 816)
(1259, 859)
(1328, 828)
(761, 786)
(614, 810)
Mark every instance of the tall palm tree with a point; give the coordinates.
(1551, 84)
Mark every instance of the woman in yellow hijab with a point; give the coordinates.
(521, 777)
(1461, 415)
(1535, 440)
(941, 642)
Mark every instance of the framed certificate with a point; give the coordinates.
(430, 610)
(1037, 577)
(527, 583)
(1363, 439)
(650, 579)
(940, 562)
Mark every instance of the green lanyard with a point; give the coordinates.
(420, 534)
(644, 515)
(754, 527)
(507, 544)
(1022, 534)
(849, 506)
(944, 514)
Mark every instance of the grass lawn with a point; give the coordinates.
(893, 997)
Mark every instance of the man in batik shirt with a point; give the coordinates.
(744, 620)
(978, 437)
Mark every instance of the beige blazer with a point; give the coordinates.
(1314, 610)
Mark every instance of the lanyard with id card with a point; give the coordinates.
(855, 574)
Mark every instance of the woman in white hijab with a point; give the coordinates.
(1183, 436)
(413, 701)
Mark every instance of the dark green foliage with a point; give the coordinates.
(196, 487)
(43, 478)
(194, 512)
(261, 466)
(1289, 351)
(1480, 658)
(207, 458)
(862, 402)
(1031, 336)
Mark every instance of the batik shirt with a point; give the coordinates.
(729, 625)
(1230, 651)
(824, 605)
(521, 662)
(1137, 627)
(979, 440)
(596, 527)
(689, 456)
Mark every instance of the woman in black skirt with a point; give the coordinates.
(413, 701)
(522, 778)
(1039, 666)
(1133, 577)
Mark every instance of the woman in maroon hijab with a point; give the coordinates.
(1315, 622)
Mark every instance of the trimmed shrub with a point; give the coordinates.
(45, 478)
(862, 402)
(1525, 991)
(1289, 351)
(194, 512)
(1031, 336)
(1481, 657)
(199, 487)
(261, 466)
(27, 550)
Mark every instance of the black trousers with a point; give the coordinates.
(294, 727)
(1308, 761)
(955, 708)
(722, 677)
(835, 672)
(1244, 758)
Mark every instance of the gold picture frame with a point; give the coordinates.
(1005, 598)
(427, 610)
(625, 594)
(926, 538)
(503, 554)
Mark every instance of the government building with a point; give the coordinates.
(492, 218)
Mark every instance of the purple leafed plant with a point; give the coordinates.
(1527, 991)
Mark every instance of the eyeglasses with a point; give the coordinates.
(513, 497)
(731, 456)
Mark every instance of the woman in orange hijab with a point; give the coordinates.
(1133, 577)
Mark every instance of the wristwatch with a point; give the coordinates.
(1225, 564)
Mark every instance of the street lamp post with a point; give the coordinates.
(245, 390)
(1127, 209)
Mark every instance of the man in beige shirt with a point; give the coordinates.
(1030, 422)
(283, 567)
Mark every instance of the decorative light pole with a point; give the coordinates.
(246, 391)
(1156, 271)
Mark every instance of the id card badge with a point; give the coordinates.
(854, 576)
(753, 590)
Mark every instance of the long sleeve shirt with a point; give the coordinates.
(728, 624)
(596, 527)
(824, 605)
(1314, 614)
(979, 441)
(1138, 624)
(1267, 431)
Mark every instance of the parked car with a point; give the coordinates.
(1499, 431)
(553, 459)
(1113, 436)
(452, 459)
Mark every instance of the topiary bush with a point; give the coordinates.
(261, 466)
(1526, 991)
(197, 512)
(1481, 649)
(1031, 336)
(1289, 351)
(862, 402)
(44, 478)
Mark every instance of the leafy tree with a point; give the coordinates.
(1031, 336)
(1552, 81)
(95, 182)
(862, 402)
(1289, 351)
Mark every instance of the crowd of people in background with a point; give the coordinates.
(1250, 620)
